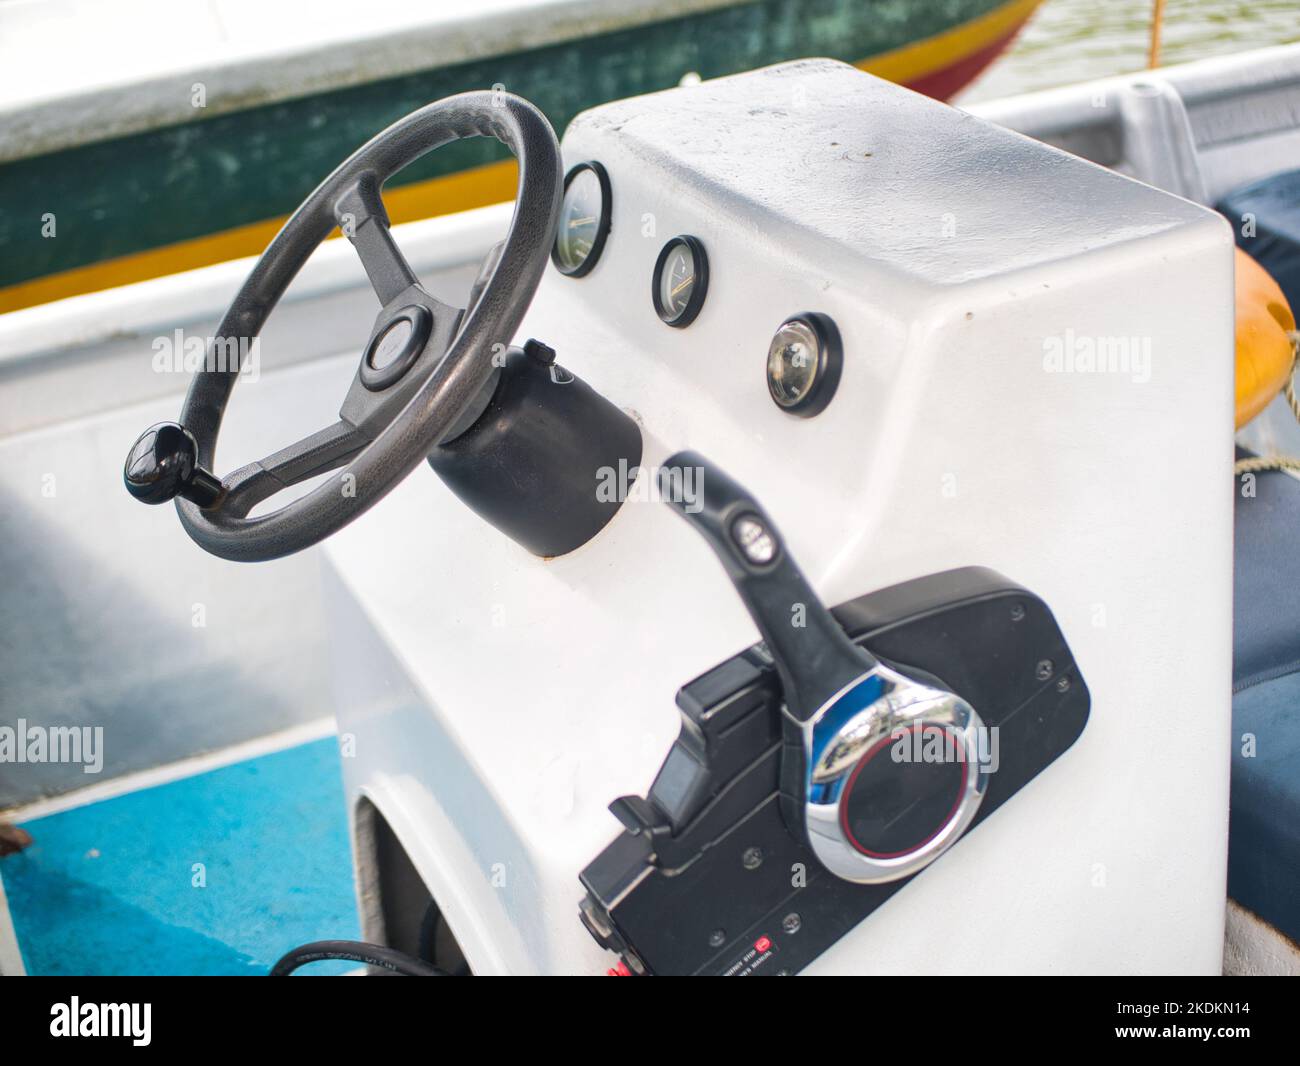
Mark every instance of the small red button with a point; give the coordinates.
(762, 944)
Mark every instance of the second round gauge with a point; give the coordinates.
(681, 281)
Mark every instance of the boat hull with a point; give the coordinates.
(179, 196)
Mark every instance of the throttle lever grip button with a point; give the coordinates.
(754, 539)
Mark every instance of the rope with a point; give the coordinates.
(1278, 462)
(1157, 21)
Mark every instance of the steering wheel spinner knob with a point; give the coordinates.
(163, 464)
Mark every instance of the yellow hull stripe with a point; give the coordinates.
(476, 187)
(924, 57)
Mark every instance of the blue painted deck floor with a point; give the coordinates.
(219, 873)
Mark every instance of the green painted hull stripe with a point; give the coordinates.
(172, 184)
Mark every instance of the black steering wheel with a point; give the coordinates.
(426, 367)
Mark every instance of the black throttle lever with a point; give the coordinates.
(881, 771)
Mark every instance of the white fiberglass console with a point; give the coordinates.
(1034, 377)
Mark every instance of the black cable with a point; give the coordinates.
(430, 925)
(429, 931)
(354, 951)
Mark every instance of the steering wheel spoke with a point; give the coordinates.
(326, 450)
(362, 217)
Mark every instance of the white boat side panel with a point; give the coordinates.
(112, 616)
(1243, 115)
(91, 353)
(517, 697)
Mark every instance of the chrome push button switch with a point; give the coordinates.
(804, 362)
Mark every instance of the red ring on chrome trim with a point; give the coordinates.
(853, 777)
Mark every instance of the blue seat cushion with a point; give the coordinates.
(1273, 238)
(1264, 834)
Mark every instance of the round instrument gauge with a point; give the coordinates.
(681, 281)
(584, 220)
(803, 364)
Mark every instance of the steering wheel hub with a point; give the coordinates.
(397, 346)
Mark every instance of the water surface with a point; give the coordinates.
(1077, 40)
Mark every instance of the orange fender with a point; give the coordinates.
(1264, 351)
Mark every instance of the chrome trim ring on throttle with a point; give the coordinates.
(894, 773)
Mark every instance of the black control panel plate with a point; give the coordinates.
(707, 879)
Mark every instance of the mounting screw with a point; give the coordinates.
(1063, 684)
(791, 923)
(1043, 671)
(1018, 613)
(752, 859)
(717, 938)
